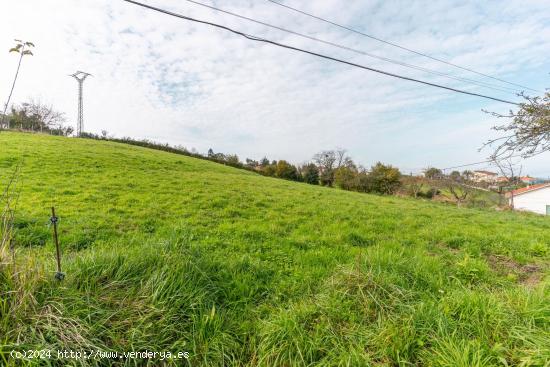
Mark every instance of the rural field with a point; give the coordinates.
(164, 252)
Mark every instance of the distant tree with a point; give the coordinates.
(179, 147)
(459, 190)
(511, 171)
(328, 161)
(455, 175)
(468, 175)
(310, 174)
(35, 116)
(363, 182)
(23, 49)
(264, 162)
(345, 178)
(251, 163)
(433, 173)
(218, 156)
(20, 118)
(527, 130)
(326, 178)
(232, 158)
(325, 161)
(48, 117)
(342, 159)
(384, 179)
(269, 170)
(62, 130)
(210, 152)
(286, 170)
(413, 184)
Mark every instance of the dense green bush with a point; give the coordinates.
(346, 178)
(286, 171)
(383, 179)
(310, 174)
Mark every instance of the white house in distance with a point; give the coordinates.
(534, 198)
(485, 176)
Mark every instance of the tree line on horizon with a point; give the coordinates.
(330, 168)
(527, 131)
(333, 168)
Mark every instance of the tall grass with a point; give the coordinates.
(168, 253)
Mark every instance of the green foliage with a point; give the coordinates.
(310, 174)
(37, 117)
(433, 173)
(539, 249)
(22, 47)
(269, 170)
(455, 176)
(472, 270)
(170, 253)
(232, 159)
(327, 177)
(345, 178)
(384, 179)
(286, 171)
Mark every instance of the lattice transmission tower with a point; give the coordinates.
(80, 76)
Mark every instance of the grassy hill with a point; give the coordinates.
(170, 253)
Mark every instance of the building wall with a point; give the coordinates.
(534, 201)
(483, 177)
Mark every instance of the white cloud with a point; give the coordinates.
(174, 81)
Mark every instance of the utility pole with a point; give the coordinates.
(80, 76)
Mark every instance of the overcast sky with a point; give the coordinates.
(173, 81)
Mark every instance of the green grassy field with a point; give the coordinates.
(169, 253)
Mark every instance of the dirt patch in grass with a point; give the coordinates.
(528, 274)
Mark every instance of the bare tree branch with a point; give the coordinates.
(528, 129)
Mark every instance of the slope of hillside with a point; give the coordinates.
(169, 253)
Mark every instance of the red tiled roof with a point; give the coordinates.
(523, 190)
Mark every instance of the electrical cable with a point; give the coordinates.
(430, 71)
(258, 39)
(397, 45)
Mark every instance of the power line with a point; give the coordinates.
(258, 39)
(396, 45)
(467, 165)
(490, 161)
(430, 71)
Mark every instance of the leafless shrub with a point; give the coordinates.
(511, 171)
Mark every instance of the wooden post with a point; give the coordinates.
(58, 275)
